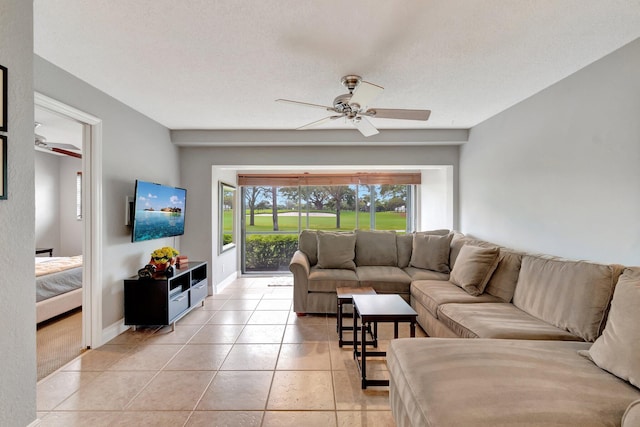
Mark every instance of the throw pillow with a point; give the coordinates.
(474, 267)
(308, 244)
(336, 250)
(431, 252)
(405, 243)
(617, 349)
(376, 248)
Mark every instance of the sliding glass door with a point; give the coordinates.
(274, 216)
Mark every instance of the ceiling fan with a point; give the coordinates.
(354, 106)
(56, 147)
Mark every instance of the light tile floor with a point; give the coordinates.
(243, 359)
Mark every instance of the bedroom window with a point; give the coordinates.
(79, 196)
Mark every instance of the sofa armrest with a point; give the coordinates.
(300, 268)
(631, 416)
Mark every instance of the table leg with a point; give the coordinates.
(375, 334)
(363, 328)
(339, 323)
(412, 329)
(355, 335)
(395, 329)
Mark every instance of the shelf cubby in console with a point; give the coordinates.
(163, 300)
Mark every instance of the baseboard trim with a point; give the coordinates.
(227, 281)
(113, 330)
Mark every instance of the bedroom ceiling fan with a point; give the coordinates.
(354, 106)
(56, 147)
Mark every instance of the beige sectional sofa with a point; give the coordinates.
(530, 314)
(325, 261)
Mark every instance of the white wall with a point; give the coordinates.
(47, 198)
(71, 229)
(17, 308)
(55, 187)
(133, 146)
(437, 199)
(198, 168)
(559, 173)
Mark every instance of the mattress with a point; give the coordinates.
(57, 275)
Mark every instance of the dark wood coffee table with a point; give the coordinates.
(378, 308)
(345, 297)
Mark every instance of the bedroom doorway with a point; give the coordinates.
(85, 209)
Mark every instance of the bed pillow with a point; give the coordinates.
(336, 250)
(308, 244)
(617, 349)
(431, 252)
(474, 267)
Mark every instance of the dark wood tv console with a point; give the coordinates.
(163, 300)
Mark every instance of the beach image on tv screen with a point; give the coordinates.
(159, 211)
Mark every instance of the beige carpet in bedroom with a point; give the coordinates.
(58, 341)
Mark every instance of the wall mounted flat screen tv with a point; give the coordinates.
(158, 211)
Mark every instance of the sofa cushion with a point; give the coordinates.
(487, 383)
(474, 268)
(498, 320)
(376, 248)
(328, 279)
(502, 283)
(438, 232)
(421, 274)
(433, 293)
(336, 250)
(384, 279)
(404, 242)
(431, 252)
(308, 244)
(571, 295)
(618, 348)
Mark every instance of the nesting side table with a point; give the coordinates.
(345, 296)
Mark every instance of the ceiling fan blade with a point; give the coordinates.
(365, 127)
(62, 146)
(306, 104)
(365, 93)
(318, 122)
(66, 152)
(390, 113)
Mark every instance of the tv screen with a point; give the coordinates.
(158, 211)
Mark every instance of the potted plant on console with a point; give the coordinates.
(164, 258)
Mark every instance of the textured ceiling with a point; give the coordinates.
(202, 64)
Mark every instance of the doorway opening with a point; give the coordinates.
(81, 207)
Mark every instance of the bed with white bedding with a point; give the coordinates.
(58, 285)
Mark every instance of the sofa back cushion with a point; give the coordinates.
(336, 250)
(617, 350)
(502, 283)
(571, 295)
(474, 268)
(458, 240)
(308, 244)
(431, 252)
(376, 248)
(404, 242)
